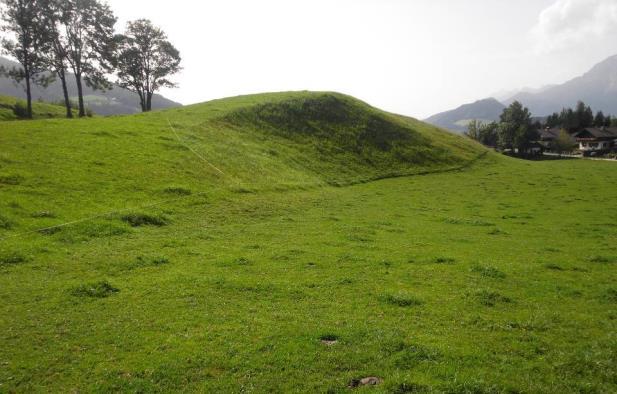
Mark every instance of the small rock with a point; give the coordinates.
(329, 342)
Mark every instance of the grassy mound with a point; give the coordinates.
(344, 133)
(82, 167)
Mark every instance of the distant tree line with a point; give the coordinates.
(50, 38)
(514, 131)
(580, 117)
(517, 131)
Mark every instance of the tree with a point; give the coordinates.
(583, 115)
(473, 130)
(56, 54)
(89, 32)
(563, 143)
(553, 120)
(145, 61)
(22, 21)
(515, 129)
(599, 120)
(608, 121)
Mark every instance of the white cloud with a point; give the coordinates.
(568, 23)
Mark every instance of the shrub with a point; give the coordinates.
(94, 290)
(20, 109)
(144, 219)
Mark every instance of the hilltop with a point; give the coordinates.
(117, 101)
(40, 110)
(487, 110)
(298, 242)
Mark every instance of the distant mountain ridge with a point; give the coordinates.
(486, 110)
(597, 88)
(117, 101)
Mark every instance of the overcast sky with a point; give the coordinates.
(415, 57)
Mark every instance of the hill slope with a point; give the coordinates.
(253, 142)
(487, 110)
(117, 101)
(597, 88)
(229, 264)
(40, 110)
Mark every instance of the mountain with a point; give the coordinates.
(486, 110)
(117, 101)
(597, 88)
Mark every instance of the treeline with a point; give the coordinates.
(50, 38)
(580, 117)
(514, 131)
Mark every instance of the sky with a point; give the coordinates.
(414, 57)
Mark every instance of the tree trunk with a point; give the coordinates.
(65, 90)
(80, 94)
(28, 94)
(149, 102)
(142, 100)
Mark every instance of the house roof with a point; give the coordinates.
(597, 133)
(549, 134)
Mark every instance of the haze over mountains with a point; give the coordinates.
(597, 88)
(117, 101)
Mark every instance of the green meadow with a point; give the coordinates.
(299, 242)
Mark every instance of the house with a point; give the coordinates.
(594, 140)
(547, 136)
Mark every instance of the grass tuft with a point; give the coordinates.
(6, 223)
(444, 260)
(491, 298)
(143, 219)
(178, 191)
(100, 289)
(401, 299)
(12, 258)
(11, 180)
(487, 271)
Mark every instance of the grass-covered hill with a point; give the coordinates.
(12, 108)
(298, 242)
(264, 142)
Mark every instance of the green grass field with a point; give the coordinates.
(298, 242)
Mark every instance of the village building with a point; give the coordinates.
(593, 140)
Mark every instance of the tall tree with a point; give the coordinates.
(599, 120)
(515, 129)
(56, 53)
(22, 21)
(583, 115)
(146, 60)
(89, 29)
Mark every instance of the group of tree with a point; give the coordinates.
(580, 117)
(52, 38)
(514, 131)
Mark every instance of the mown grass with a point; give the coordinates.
(239, 291)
